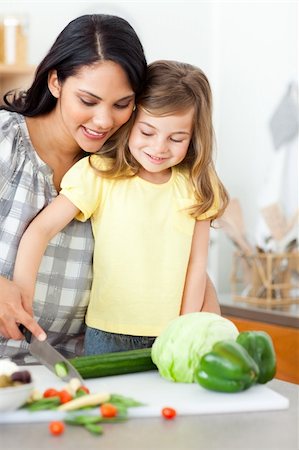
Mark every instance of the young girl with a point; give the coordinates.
(151, 203)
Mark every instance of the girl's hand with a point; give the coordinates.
(16, 308)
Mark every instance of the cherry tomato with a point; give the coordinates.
(64, 396)
(56, 428)
(168, 413)
(50, 393)
(84, 389)
(108, 410)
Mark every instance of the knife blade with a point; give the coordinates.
(50, 357)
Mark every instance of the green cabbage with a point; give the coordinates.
(178, 349)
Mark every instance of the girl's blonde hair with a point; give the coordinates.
(172, 87)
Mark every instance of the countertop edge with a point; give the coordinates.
(245, 311)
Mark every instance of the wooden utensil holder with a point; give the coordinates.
(266, 278)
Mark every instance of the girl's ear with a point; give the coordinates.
(53, 84)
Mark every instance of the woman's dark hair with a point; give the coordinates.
(83, 42)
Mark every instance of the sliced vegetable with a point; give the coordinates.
(85, 400)
(56, 428)
(61, 369)
(117, 363)
(168, 413)
(260, 347)
(227, 368)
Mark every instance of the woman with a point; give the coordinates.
(97, 65)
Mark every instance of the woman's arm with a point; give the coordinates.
(34, 243)
(195, 284)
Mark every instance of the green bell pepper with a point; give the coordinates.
(260, 347)
(227, 368)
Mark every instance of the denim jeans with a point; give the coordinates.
(98, 342)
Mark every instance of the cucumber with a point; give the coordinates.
(61, 369)
(116, 363)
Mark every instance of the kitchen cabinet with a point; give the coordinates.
(281, 323)
(15, 77)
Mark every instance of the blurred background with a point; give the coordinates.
(248, 50)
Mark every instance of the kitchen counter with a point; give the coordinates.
(287, 315)
(280, 322)
(273, 430)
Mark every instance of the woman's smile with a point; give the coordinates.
(93, 104)
(95, 135)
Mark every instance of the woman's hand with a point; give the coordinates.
(16, 308)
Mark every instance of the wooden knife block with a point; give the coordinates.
(266, 278)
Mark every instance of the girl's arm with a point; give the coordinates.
(211, 302)
(195, 284)
(34, 242)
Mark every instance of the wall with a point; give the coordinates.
(257, 54)
(248, 50)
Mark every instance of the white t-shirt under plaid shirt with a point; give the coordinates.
(65, 274)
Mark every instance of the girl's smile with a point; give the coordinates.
(155, 159)
(160, 142)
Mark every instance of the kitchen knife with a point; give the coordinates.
(51, 358)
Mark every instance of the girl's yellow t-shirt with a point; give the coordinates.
(142, 244)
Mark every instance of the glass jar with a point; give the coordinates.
(13, 40)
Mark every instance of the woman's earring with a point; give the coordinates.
(134, 107)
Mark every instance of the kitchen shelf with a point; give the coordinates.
(9, 69)
(15, 77)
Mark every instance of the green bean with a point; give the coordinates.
(94, 428)
(43, 403)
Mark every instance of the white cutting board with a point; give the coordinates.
(156, 393)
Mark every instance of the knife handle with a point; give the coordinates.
(25, 332)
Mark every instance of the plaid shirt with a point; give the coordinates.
(65, 274)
